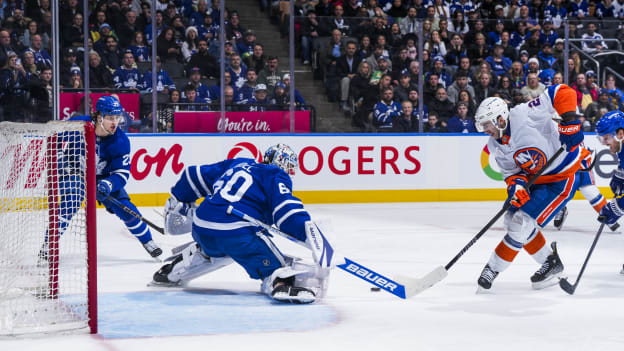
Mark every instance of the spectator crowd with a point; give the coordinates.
(365, 51)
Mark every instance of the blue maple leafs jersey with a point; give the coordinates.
(262, 191)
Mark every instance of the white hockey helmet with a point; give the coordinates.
(489, 111)
(283, 157)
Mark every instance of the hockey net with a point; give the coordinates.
(47, 228)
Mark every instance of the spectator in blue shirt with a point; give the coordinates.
(461, 123)
(386, 110)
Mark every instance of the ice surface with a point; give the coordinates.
(224, 310)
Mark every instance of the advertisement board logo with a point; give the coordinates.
(245, 147)
(160, 161)
(485, 164)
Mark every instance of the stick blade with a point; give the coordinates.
(414, 286)
(566, 286)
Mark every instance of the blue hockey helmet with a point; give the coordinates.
(108, 105)
(610, 123)
(283, 157)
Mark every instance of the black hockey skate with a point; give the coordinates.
(487, 277)
(544, 277)
(560, 218)
(153, 249)
(161, 278)
(615, 226)
(285, 291)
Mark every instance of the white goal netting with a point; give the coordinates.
(44, 242)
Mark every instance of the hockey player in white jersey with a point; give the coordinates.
(263, 191)
(523, 140)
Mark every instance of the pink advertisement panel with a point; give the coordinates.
(241, 122)
(71, 101)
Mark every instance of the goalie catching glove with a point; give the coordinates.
(517, 191)
(178, 216)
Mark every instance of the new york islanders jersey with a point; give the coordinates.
(262, 191)
(532, 138)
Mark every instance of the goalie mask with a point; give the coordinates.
(283, 157)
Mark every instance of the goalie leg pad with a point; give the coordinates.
(188, 265)
(300, 276)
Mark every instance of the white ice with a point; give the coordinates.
(405, 238)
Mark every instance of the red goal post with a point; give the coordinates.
(48, 255)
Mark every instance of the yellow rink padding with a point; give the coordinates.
(371, 196)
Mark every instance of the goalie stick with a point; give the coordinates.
(347, 265)
(417, 286)
(135, 215)
(563, 282)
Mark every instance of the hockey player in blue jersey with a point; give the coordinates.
(610, 130)
(113, 170)
(262, 191)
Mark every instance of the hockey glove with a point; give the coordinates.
(517, 191)
(617, 182)
(570, 134)
(611, 212)
(104, 188)
(178, 216)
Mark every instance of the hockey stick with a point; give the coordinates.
(563, 282)
(419, 285)
(134, 214)
(348, 265)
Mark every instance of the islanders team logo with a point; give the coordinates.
(485, 164)
(530, 159)
(245, 148)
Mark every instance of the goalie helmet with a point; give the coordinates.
(283, 157)
(489, 111)
(610, 123)
(108, 105)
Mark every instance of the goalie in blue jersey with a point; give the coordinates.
(113, 170)
(262, 191)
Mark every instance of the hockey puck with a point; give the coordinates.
(374, 288)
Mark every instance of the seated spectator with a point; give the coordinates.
(505, 89)
(413, 98)
(159, 27)
(438, 67)
(13, 89)
(72, 35)
(206, 63)
(28, 61)
(75, 80)
(442, 105)
(597, 109)
(246, 45)
(309, 36)
(593, 42)
(112, 55)
(455, 51)
(533, 88)
(5, 46)
(257, 59)
(259, 101)
(616, 96)
(164, 82)
(279, 99)
(179, 31)
(360, 82)
(557, 78)
(465, 68)
(107, 31)
(499, 64)
(41, 94)
(458, 23)
(207, 30)
(401, 91)
(386, 110)
(516, 75)
(198, 16)
(585, 95)
(238, 71)
(203, 91)
(234, 30)
(545, 57)
(400, 64)
(99, 75)
(433, 124)
(127, 76)
(299, 101)
(269, 76)
(590, 76)
(246, 92)
(69, 62)
(215, 90)
(141, 52)
(128, 29)
(460, 83)
(517, 98)
(346, 68)
(483, 89)
(435, 45)
(478, 51)
(548, 33)
(168, 49)
(431, 88)
(42, 57)
(404, 123)
(192, 99)
(190, 46)
(460, 122)
(464, 96)
(533, 44)
(508, 50)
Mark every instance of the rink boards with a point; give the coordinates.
(343, 168)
